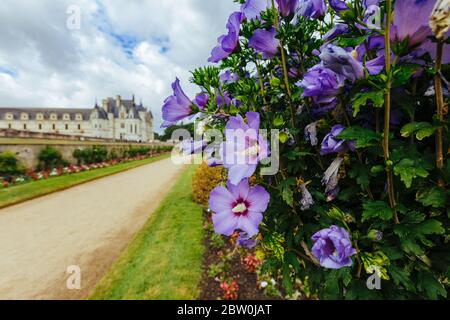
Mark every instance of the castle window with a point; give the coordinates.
(131, 128)
(122, 125)
(24, 126)
(79, 127)
(79, 116)
(9, 116)
(66, 116)
(67, 126)
(53, 116)
(39, 116)
(54, 126)
(135, 128)
(40, 126)
(24, 116)
(9, 125)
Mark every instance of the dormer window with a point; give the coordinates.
(78, 117)
(9, 116)
(66, 116)
(24, 116)
(54, 116)
(39, 116)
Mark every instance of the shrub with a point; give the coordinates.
(50, 158)
(91, 155)
(204, 180)
(363, 125)
(10, 165)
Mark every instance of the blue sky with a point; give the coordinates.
(122, 47)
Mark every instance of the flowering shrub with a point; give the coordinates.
(204, 180)
(358, 93)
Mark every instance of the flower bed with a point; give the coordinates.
(32, 175)
(232, 273)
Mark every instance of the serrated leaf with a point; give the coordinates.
(403, 74)
(408, 170)
(434, 197)
(401, 277)
(363, 137)
(351, 41)
(361, 99)
(429, 285)
(376, 209)
(421, 129)
(288, 195)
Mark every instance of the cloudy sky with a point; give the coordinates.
(122, 47)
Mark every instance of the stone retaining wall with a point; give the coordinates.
(28, 153)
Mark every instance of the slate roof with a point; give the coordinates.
(33, 112)
(112, 107)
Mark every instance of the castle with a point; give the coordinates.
(116, 119)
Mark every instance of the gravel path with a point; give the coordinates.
(88, 226)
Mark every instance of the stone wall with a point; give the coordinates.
(28, 153)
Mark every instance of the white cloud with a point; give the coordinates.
(123, 47)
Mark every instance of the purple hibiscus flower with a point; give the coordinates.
(238, 207)
(192, 146)
(287, 7)
(332, 144)
(333, 248)
(411, 20)
(264, 42)
(253, 8)
(228, 42)
(244, 147)
(314, 9)
(245, 241)
(342, 62)
(228, 77)
(177, 106)
(338, 5)
(321, 82)
(337, 30)
(201, 100)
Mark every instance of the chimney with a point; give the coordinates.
(105, 105)
(118, 101)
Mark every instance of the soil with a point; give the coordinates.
(247, 281)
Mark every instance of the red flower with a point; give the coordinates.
(230, 289)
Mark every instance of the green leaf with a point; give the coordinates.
(360, 172)
(377, 97)
(401, 277)
(403, 74)
(434, 197)
(288, 195)
(376, 209)
(428, 284)
(408, 170)
(351, 41)
(421, 129)
(409, 234)
(363, 137)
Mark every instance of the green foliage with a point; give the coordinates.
(50, 158)
(422, 130)
(406, 238)
(361, 99)
(10, 165)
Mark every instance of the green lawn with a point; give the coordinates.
(165, 258)
(31, 190)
